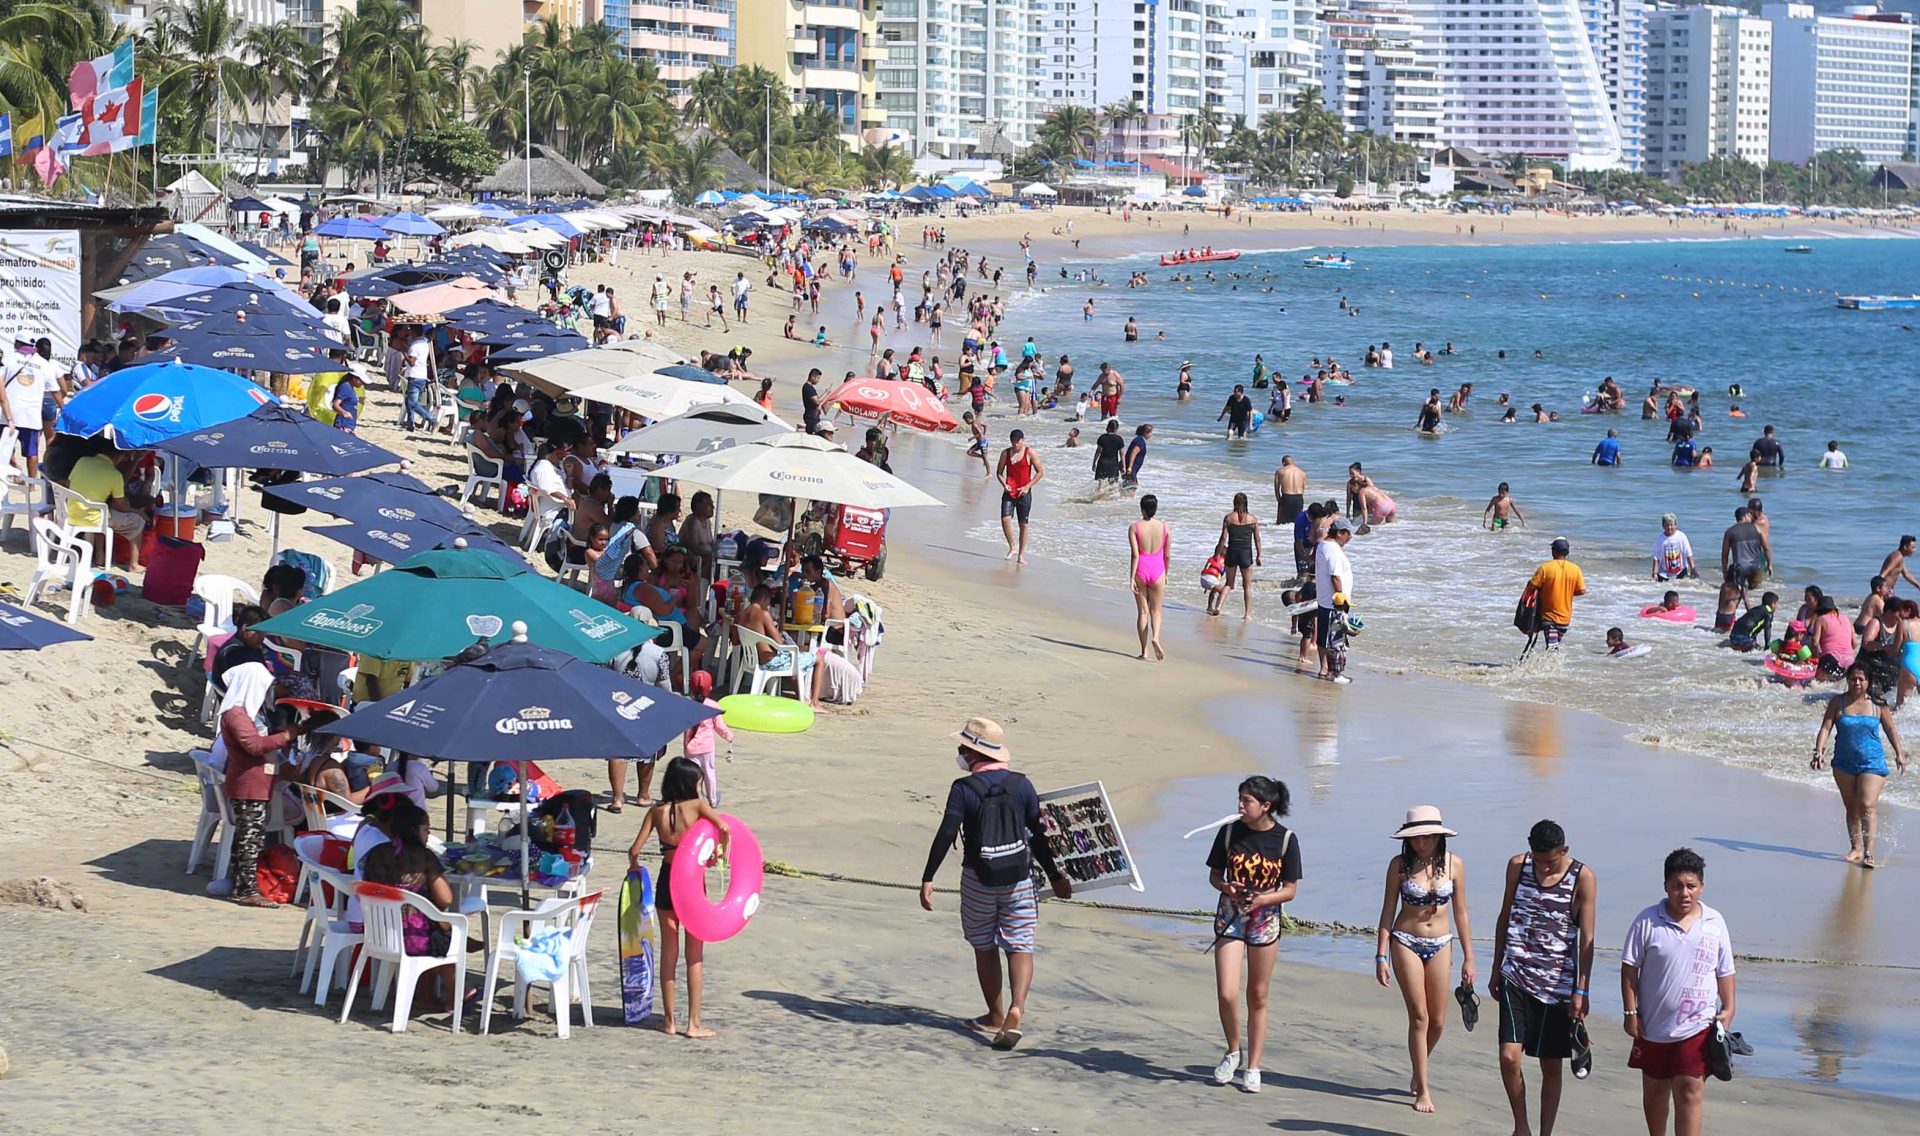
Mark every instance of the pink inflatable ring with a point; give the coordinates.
(705, 919)
(1675, 615)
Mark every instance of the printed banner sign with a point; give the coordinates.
(40, 286)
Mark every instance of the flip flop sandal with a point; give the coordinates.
(979, 1025)
(1006, 1039)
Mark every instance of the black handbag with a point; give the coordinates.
(1719, 1052)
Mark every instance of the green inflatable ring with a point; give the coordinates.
(766, 713)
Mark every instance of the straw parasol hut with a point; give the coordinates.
(553, 176)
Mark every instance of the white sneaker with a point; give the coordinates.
(1341, 680)
(1229, 1065)
(1250, 1081)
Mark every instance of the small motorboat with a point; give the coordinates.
(1327, 260)
(1878, 303)
(1798, 248)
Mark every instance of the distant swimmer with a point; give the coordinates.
(1259, 372)
(1834, 458)
(1734, 411)
(1458, 403)
(1608, 451)
(1238, 411)
(1429, 420)
(1502, 510)
(1736, 390)
(1184, 389)
(1132, 331)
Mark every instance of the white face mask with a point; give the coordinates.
(960, 759)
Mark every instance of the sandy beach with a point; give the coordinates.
(841, 1006)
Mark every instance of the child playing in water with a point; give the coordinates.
(977, 448)
(1213, 578)
(1073, 438)
(1755, 626)
(1617, 644)
(1670, 602)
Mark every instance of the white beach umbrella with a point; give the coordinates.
(454, 211)
(657, 396)
(703, 429)
(803, 466)
(500, 240)
(571, 371)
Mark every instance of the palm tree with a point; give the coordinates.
(1118, 115)
(278, 59)
(1072, 128)
(39, 44)
(205, 74)
(454, 60)
(693, 167)
(363, 117)
(885, 164)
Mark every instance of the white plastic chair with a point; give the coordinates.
(483, 474)
(61, 559)
(574, 916)
(220, 595)
(443, 406)
(326, 912)
(314, 803)
(762, 676)
(215, 814)
(17, 495)
(382, 911)
(64, 502)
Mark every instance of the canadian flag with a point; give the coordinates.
(111, 119)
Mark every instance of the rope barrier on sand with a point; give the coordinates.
(1294, 926)
(7, 739)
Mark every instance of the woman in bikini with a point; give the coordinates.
(1415, 943)
(681, 803)
(1148, 540)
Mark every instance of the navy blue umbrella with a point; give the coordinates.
(454, 266)
(275, 437)
(486, 310)
(253, 353)
(522, 702)
(24, 631)
(538, 346)
(251, 298)
(386, 497)
(690, 373)
(392, 541)
(279, 322)
(266, 255)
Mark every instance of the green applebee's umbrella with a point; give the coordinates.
(439, 603)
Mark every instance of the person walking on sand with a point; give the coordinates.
(1290, 490)
(1415, 942)
(681, 804)
(1018, 470)
(1855, 722)
(1502, 510)
(1542, 961)
(1240, 532)
(1557, 581)
(1255, 866)
(995, 813)
(1332, 577)
(1149, 541)
(1677, 964)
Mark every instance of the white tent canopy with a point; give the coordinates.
(1039, 190)
(454, 212)
(570, 371)
(500, 240)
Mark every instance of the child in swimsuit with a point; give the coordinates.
(1617, 644)
(681, 804)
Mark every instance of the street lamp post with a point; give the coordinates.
(767, 153)
(527, 127)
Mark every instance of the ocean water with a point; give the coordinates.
(1437, 592)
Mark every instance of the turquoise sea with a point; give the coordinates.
(1437, 592)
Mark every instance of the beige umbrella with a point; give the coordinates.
(658, 396)
(437, 298)
(800, 465)
(500, 240)
(571, 371)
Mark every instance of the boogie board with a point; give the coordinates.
(639, 936)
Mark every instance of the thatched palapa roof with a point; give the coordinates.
(553, 176)
(734, 170)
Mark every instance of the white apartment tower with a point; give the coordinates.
(1377, 74)
(1272, 54)
(1840, 82)
(1170, 56)
(1709, 86)
(1520, 77)
(1617, 29)
(959, 75)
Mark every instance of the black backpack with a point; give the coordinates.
(1003, 858)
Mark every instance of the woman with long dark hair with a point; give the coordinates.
(1855, 722)
(1147, 541)
(1424, 910)
(681, 804)
(1255, 866)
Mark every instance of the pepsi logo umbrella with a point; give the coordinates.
(152, 402)
(276, 437)
(909, 404)
(22, 630)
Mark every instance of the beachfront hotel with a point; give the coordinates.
(961, 75)
(1841, 82)
(1272, 55)
(683, 38)
(825, 51)
(1709, 82)
(1377, 74)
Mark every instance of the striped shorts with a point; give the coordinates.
(998, 917)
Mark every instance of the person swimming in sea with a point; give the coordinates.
(1617, 644)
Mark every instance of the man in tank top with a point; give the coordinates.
(1542, 959)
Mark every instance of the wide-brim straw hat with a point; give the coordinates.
(984, 737)
(1423, 820)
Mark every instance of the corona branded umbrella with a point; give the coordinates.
(801, 465)
(703, 430)
(908, 404)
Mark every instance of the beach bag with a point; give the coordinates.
(1526, 613)
(276, 874)
(1003, 835)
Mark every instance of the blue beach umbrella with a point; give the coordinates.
(709, 197)
(276, 437)
(152, 402)
(350, 229)
(266, 255)
(495, 210)
(394, 541)
(521, 702)
(410, 225)
(1195, 191)
(252, 321)
(22, 630)
(540, 346)
(386, 497)
(255, 353)
(690, 373)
